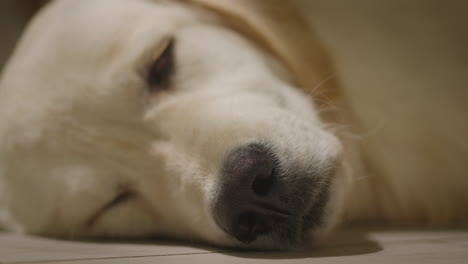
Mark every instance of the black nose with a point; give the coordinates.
(248, 203)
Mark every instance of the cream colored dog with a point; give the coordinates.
(183, 119)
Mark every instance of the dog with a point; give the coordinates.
(218, 121)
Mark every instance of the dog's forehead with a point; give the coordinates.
(98, 28)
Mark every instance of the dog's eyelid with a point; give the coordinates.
(121, 198)
(161, 48)
(162, 66)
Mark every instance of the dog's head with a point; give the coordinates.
(142, 118)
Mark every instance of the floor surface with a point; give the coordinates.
(352, 246)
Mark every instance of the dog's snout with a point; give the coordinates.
(248, 205)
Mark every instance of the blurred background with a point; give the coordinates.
(14, 15)
(425, 38)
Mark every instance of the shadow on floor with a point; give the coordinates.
(343, 243)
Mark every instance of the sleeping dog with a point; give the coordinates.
(216, 121)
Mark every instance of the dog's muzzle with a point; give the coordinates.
(259, 196)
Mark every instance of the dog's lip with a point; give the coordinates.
(314, 214)
(309, 221)
(277, 211)
(304, 222)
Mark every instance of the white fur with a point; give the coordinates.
(77, 125)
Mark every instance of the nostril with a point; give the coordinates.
(251, 224)
(253, 165)
(263, 184)
(262, 172)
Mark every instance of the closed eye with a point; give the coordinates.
(161, 70)
(120, 199)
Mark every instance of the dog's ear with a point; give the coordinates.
(280, 28)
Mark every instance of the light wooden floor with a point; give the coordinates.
(352, 246)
